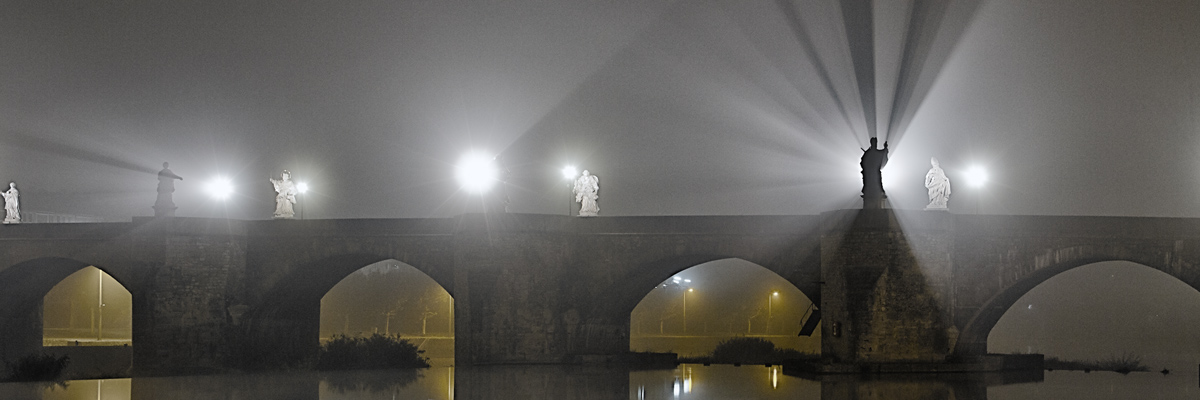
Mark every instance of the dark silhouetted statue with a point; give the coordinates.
(873, 160)
(164, 206)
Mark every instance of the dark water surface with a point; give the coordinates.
(687, 381)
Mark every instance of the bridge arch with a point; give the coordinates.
(729, 297)
(636, 285)
(607, 321)
(1020, 279)
(282, 328)
(22, 289)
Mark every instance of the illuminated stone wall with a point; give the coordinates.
(896, 286)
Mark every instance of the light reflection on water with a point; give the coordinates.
(687, 381)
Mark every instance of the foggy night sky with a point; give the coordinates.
(1079, 107)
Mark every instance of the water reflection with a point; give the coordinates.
(690, 381)
(924, 386)
(586, 383)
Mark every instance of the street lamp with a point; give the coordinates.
(476, 172)
(569, 173)
(302, 188)
(99, 304)
(769, 300)
(977, 176)
(685, 309)
(219, 188)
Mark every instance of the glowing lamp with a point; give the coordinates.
(569, 172)
(976, 176)
(219, 188)
(476, 172)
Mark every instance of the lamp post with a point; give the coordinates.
(769, 300)
(685, 296)
(99, 304)
(301, 188)
(569, 173)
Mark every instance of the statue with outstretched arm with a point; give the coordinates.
(164, 205)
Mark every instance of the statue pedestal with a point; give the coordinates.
(874, 202)
(160, 211)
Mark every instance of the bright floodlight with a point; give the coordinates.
(977, 176)
(569, 172)
(219, 188)
(476, 172)
(302, 187)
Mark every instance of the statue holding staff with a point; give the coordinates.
(873, 161)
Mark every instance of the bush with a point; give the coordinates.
(352, 382)
(34, 367)
(1124, 364)
(374, 352)
(743, 350)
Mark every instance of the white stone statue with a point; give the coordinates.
(938, 185)
(586, 188)
(12, 204)
(285, 195)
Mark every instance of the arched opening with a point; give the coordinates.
(87, 308)
(1102, 310)
(391, 298)
(695, 309)
(23, 290)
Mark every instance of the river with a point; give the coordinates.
(687, 381)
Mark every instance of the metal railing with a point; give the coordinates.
(42, 217)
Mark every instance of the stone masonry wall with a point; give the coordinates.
(886, 290)
(187, 305)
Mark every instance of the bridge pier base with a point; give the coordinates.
(181, 320)
(886, 290)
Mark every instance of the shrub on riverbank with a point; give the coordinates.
(37, 367)
(1124, 364)
(373, 352)
(747, 350)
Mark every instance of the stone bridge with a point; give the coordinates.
(213, 294)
